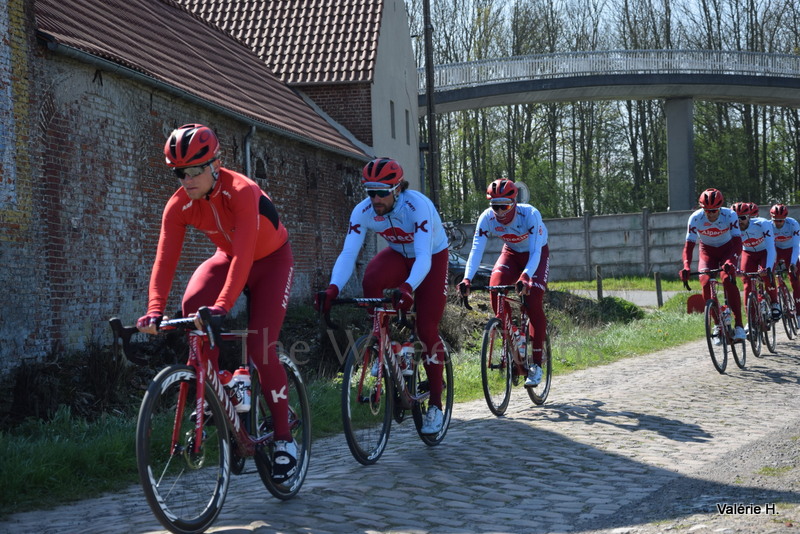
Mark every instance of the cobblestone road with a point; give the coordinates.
(635, 446)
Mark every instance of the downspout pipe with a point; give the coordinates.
(248, 139)
(116, 68)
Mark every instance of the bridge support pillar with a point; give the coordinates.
(680, 153)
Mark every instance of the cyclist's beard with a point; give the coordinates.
(506, 217)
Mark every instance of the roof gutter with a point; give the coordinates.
(116, 68)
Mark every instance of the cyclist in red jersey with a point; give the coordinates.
(253, 254)
(717, 230)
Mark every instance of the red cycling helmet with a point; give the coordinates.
(382, 171)
(502, 189)
(191, 145)
(711, 199)
(741, 208)
(779, 212)
(753, 209)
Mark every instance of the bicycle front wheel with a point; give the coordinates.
(299, 424)
(419, 385)
(754, 324)
(185, 483)
(787, 312)
(539, 393)
(495, 367)
(367, 402)
(716, 337)
(769, 324)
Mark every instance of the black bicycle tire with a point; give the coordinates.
(301, 433)
(788, 317)
(769, 333)
(497, 408)
(539, 396)
(460, 237)
(712, 311)
(420, 408)
(754, 324)
(162, 389)
(354, 360)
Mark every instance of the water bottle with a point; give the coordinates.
(241, 379)
(407, 360)
(519, 341)
(226, 378)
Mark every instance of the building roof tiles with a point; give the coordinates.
(165, 43)
(345, 29)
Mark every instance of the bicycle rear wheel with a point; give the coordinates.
(717, 344)
(419, 385)
(754, 324)
(184, 488)
(367, 402)
(495, 367)
(787, 312)
(539, 393)
(299, 423)
(769, 324)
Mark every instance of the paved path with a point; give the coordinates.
(619, 449)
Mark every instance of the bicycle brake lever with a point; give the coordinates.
(124, 333)
(686, 285)
(465, 302)
(205, 316)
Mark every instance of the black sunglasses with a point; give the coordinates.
(501, 207)
(742, 217)
(712, 211)
(192, 171)
(380, 193)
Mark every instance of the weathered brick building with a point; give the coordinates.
(91, 91)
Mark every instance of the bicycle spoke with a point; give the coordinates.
(367, 402)
(496, 368)
(185, 483)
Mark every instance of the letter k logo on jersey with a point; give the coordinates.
(483, 233)
(420, 227)
(354, 228)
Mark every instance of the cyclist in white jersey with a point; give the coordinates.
(525, 259)
(758, 251)
(717, 230)
(787, 244)
(415, 262)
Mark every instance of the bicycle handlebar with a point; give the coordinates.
(212, 323)
(500, 289)
(699, 273)
(363, 302)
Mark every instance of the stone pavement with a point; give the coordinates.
(609, 441)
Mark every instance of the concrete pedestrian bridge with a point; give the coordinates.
(678, 76)
(716, 75)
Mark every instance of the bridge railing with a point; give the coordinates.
(539, 66)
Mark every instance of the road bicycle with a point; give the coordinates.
(456, 236)
(503, 362)
(374, 389)
(760, 325)
(786, 302)
(719, 328)
(190, 438)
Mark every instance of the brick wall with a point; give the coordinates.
(84, 183)
(350, 105)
